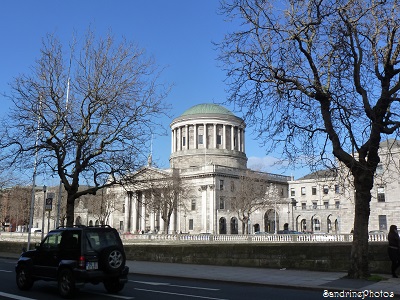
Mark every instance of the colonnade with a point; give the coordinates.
(194, 136)
(138, 217)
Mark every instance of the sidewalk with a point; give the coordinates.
(329, 281)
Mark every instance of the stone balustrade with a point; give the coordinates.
(210, 238)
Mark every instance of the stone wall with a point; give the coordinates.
(317, 257)
(321, 257)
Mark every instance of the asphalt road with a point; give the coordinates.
(153, 288)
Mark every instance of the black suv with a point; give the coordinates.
(73, 256)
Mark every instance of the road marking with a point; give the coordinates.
(110, 295)
(168, 284)
(178, 294)
(6, 271)
(12, 296)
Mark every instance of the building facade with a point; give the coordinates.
(209, 189)
(209, 161)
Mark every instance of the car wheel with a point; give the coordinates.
(24, 278)
(113, 285)
(66, 284)
(113, 259)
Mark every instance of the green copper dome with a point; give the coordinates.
(207, 108)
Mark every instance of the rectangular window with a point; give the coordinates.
(292, 192)
(219, 139)
(326, 189)
(221, 203)
(337, 204)
(303, 206)
(337, 189)
(221, 185)
(315, 205)
(200, 139)
(123, 208)
(381, 194)
(232, 186)
(382, 222)
(326, 204)
(121, 225)
(183, 141)
(193, 207)
(314, 190)
(191, 224)
(303, 191)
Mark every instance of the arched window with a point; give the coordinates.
(303, 225)
(271, 221)
(234, 226)
(329, 224)
(78, 220)
(317, 225)
(222, 226)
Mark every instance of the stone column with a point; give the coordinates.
(143, 213)
(161, 223)
(172, 223)
(203, 190)
(128, 211)
(223, 136)
(205, 135)
(187, 136)
(243, 140)
(212, 208)
(239, 139)
(215, 135)
(195, 136)
(152, 221)
(232, 137)
(134, 213)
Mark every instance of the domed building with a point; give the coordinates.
(206, 188)
(208, 133)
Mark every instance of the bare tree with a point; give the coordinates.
(165, 194)
(320, 77)
(101, 205)
(97, 134)
(251, 194)
(14, 206)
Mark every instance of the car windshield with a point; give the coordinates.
(99, 239)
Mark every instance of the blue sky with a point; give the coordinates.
(178, 33)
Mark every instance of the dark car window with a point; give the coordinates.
(52, 241)
(70, 240)
(101, 239)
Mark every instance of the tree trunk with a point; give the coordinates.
(359, 265)
(70, 210)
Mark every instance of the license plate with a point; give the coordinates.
(92, 265)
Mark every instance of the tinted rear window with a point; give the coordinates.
(97, 239)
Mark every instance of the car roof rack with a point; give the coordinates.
(73, 226)
(84, 226)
